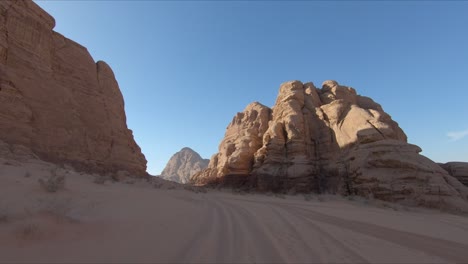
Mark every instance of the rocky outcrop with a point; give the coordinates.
(56, 101)
(458, 170)
(328, 140)
(183, 165)
(242, 139)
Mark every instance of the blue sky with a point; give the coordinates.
(186, 68)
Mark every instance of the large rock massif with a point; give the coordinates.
(327, 140)
(56, 101)
(182, 165)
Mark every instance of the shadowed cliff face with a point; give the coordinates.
(327, 140)
(458, 170)
(55, 100)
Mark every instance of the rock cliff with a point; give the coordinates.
(458, 170)
(56, 100)
(327, 140)
(182, 165)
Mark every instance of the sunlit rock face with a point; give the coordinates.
(327, 140)
(244, 136)
(182, 165)
(56, 100)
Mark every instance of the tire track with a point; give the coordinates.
(259, 242)
(351, 255)
(193, 249)
(449, 250)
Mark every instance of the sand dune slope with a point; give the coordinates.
(117, 222)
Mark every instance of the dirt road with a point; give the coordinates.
(116, 222)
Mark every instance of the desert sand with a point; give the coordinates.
(134, 221)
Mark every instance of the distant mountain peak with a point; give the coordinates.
(183, 164)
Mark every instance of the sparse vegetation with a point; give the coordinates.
(53, 183)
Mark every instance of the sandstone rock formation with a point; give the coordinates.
(242, 139)
(56, 101)
(183, 165)
(327, 140)
(458, 170)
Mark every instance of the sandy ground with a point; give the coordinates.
(129, 223)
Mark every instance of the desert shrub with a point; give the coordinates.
(53, 183)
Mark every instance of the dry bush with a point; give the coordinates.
(53, 183)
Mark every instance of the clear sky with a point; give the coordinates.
(186, 68)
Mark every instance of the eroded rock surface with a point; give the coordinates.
(458, 170)
(242, 139)
(56, 100)
(183, 165)
(328, 140)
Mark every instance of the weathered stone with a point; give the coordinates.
(56, 101)
(236, 152)
(458, 170)
(331, 140)
(183, 165)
